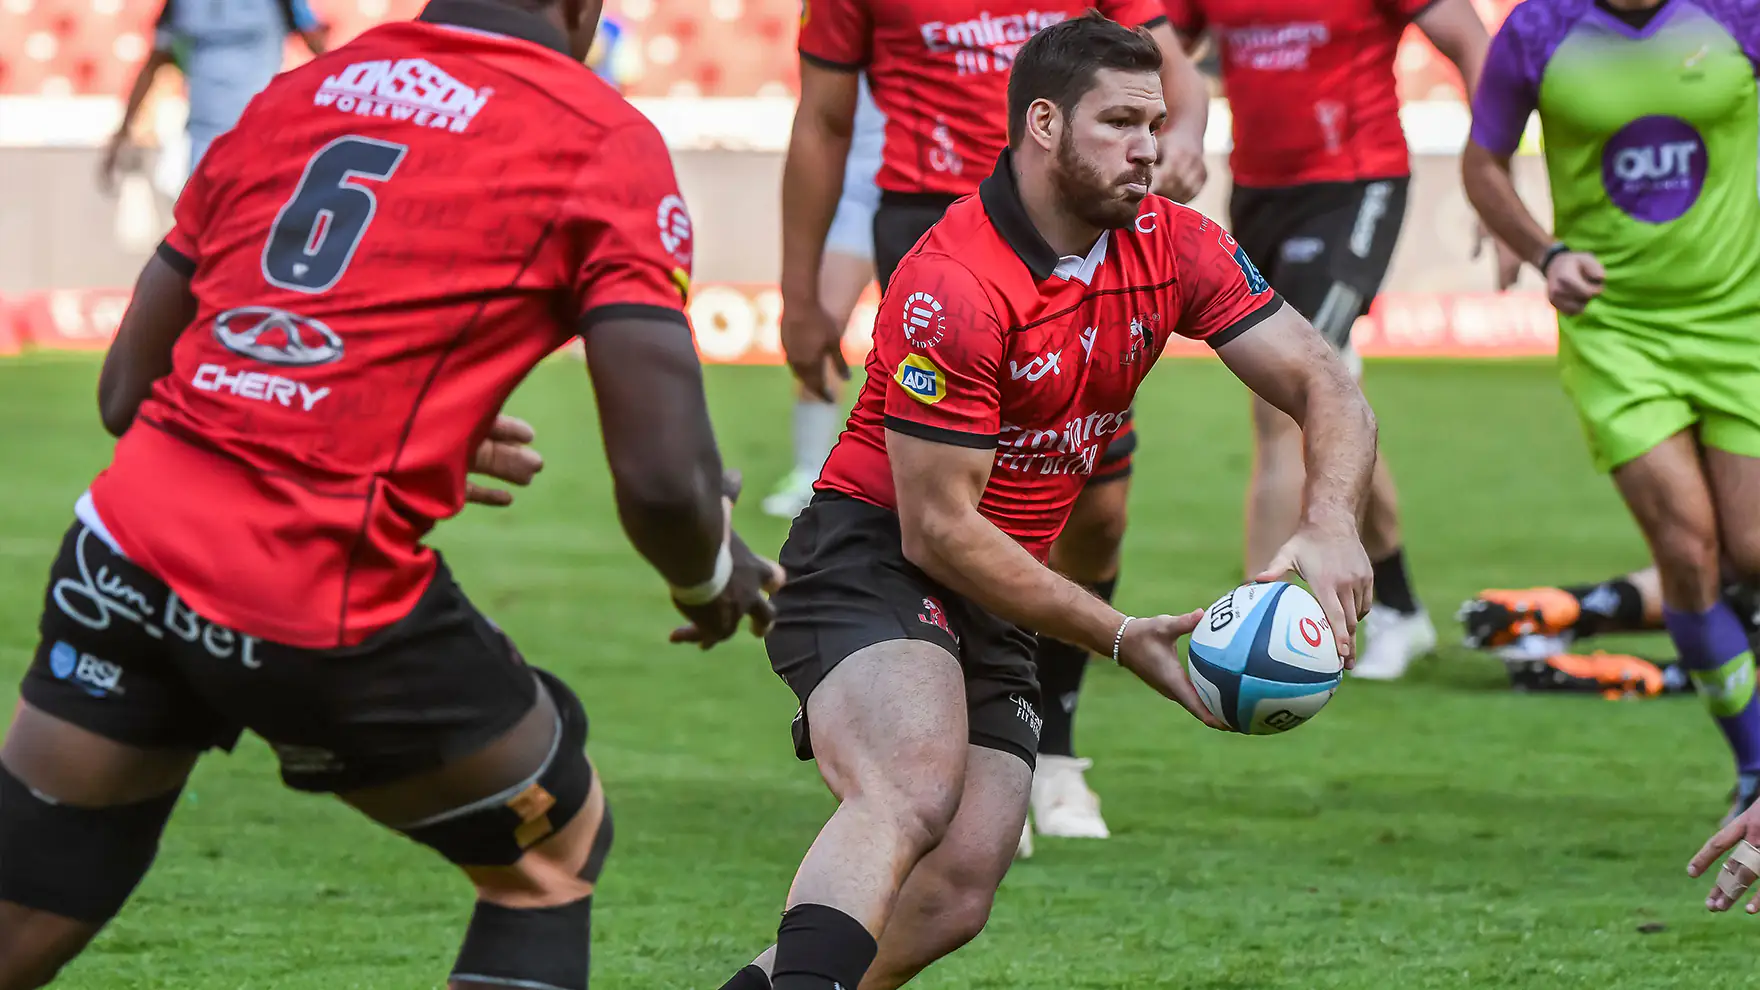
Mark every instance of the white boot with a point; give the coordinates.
(1394, 640)
(1063, 806)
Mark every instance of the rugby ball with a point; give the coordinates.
(1263, 658)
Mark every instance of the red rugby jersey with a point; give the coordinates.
(987, 339)
(389, 240)
(1310, 84)
(938, 70)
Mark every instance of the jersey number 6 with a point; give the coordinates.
(318, 229)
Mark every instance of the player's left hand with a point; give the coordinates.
(1332, 560)
(505, 455)
(1735, 879)
(1181, 174)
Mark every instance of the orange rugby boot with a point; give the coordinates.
(1498, 617)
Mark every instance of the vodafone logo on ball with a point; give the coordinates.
(924, 322)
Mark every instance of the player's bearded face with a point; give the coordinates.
(1105, 159)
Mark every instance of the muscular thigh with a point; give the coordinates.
(1735, 487)
(853, 598)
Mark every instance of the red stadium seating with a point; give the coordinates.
(677, 47)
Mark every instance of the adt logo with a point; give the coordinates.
(1654, 168)
(921, 379)
(98, 678)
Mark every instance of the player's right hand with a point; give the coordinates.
(1573, 279)
(1332, 560)
(1150, 650)
(813, 343)
(746, 597)
(1744, 827)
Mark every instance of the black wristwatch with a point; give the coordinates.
(1551, 254)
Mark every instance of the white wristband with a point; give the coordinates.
(711, 589)
(1118, 638)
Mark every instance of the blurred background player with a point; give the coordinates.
(1537, 632)
(1321, 169)
(846, 270)
(227, 51)
(306, 373)
(1648, 112)
(938, 70)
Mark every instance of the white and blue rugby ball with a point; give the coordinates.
(1263, 658)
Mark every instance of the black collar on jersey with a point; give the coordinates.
(1001, 196)
(496, 18)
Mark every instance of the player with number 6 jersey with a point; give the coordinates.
(360, 274)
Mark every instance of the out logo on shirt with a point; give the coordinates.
(921, 379)
(1654, 168)
(924, 322)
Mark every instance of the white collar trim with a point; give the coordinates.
(1072, 266)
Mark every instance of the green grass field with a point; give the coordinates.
(1439, 832)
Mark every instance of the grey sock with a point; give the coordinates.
(815, 433)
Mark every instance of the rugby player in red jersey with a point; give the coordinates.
(920, 566)
(360, 274)
(938, 72)
(1320, 169)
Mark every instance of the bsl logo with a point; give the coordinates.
(98, 678)
(408, 89)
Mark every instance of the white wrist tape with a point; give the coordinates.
(1730, 879)
(708, 591)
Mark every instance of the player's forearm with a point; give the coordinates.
(812, 182)
(143, 84)
(1454, 27)
(1492, 190)
(1188, 110)
(1339, 438)
(665, 466)
(965, 552)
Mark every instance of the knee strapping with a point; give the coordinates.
(499, 830)
(541, 948)
(79, 863)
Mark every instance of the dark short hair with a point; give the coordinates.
(1059, 63)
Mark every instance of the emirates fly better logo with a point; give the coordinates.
(924, 322)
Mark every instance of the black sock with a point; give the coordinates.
(1612, 606)
(1392, 587)
(1743, 598)
(1060, 684)
(750, 978)
(821, 948)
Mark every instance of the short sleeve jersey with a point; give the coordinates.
(939, 73)
(389, 241)
(987, 339)
(1651, 135)
(1310, 84)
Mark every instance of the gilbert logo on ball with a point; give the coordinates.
(1263, 658)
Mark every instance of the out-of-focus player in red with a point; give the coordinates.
(360, 273)
(938, 71)
(921, 565)
(1320, 169)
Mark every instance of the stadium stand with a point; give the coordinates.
(680, 48)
